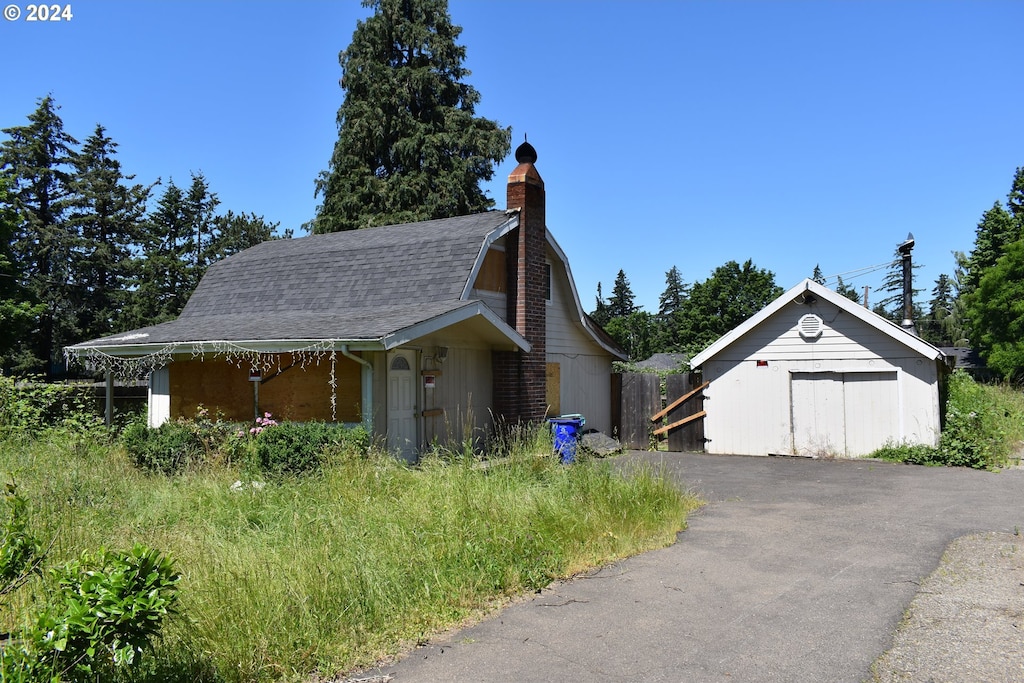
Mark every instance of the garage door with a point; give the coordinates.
(846, 414)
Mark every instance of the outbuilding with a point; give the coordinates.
(816, 374)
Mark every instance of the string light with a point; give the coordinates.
(132, 367)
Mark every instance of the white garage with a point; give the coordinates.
(814, 373)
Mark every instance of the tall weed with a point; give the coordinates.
(285, 578)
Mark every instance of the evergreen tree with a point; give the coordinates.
(409, 147)
(106, 214)
(817, 276)
(849, 291)
(996, 229)
(891, 306)
(236, 232)
(18, 311)
(1015, 200)
(600, 313)
(164, 274)
(36, 160)
(997, 319)
(620, 303)
(934, 326)
(671, 305)
(199, 208)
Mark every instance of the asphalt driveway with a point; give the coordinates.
(796, 570)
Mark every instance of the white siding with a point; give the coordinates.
(584, 367)
(845, 393)
(159, 406)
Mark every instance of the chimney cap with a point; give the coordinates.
(526, 154)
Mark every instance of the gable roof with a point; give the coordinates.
(371, 288)
(853, 308)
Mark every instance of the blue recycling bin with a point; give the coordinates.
(567, 432)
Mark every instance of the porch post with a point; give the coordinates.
(109, 408)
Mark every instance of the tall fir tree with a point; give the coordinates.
(817, 275)
(620, 303)
(19, 312)
(106, 213)
(996, 229)
(671, 304)
(37, 160)
(849, 291)
(600, 312)
(164, 277)
(409, 144)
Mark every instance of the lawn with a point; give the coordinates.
(286, 577)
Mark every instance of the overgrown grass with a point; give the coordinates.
(331, 571)
(984, 428)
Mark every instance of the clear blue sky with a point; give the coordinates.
(668, 133)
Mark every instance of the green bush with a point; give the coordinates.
(101, 617)
(168, 449)
(32, 406)
(294, 447)
(983, 423)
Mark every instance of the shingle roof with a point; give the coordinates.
(359, 284)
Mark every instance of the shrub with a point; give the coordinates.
(982, 426)
(168, 449)
(294, 447)
(33, 406)
(102, 615)
(972, 433)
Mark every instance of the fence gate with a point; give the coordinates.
(637, 398)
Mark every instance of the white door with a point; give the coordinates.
(846, 414)
(819, 414)
(872, 411)
(402, 437)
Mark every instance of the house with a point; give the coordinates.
(814, 373)
(425, 332)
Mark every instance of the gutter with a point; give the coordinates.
(366, 384)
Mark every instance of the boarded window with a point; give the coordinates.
(553, 375)
(492, 272)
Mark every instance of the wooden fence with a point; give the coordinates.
(643, 415)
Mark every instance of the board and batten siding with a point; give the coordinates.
(584, 367)
(846, 392)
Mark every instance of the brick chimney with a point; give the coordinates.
(520, 384)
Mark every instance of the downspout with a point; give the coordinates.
(366, 380)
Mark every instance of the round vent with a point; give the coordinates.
(810, 326)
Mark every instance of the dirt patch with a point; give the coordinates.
(966, 622)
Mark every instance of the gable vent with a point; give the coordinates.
(810, 326)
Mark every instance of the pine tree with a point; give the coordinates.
(107, 215)
(1015, 200)
(164, 274)
(891, 306)
(620, 303)
(18, 311)
(409, 146)
(849, 291)
(996, 229)
(671, 305)
(600, 313)
(817, 275)
(36, 159)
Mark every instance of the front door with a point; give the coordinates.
(402, 386)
